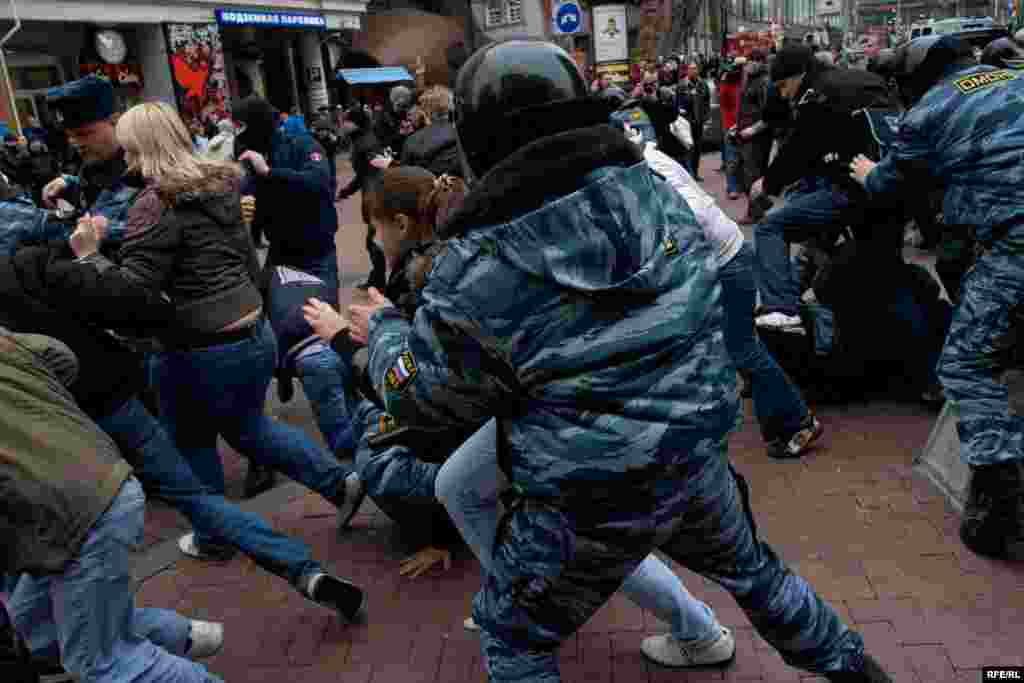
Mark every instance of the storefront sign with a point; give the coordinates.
(270, 19)
(617, 72)
(611, 43)
(118, 74)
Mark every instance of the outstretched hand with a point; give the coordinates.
(420, 563)
(325, 321)
(860, 168)
(360, 315)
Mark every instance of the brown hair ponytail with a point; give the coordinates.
(416, 192)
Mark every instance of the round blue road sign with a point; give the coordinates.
(568, 17)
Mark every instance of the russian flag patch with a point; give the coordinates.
(401, 373)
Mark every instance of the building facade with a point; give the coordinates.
(198, 54)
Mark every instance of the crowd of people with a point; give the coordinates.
(544, 364)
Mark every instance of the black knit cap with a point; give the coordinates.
(791, 61)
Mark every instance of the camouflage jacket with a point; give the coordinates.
(577, 301)
(966, 134)
(23, 223)
(109, 192)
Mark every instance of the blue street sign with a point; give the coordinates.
(568, 17)
(270, 19)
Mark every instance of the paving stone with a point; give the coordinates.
(931, 663)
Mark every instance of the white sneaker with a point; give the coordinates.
(668, 651)
(354, 495)
(470, 624)
(781, 322)
(207, 638)
(187, 544)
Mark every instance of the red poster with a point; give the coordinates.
(197, 62)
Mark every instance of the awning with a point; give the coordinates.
(382, 74)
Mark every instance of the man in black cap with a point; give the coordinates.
(822, 98)
(85, 109)
(294, 201)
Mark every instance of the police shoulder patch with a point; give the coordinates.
(670, 246)
(402, 373)
(976, 82)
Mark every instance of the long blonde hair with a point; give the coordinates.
(160, 147)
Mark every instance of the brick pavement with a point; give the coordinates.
(871, 534)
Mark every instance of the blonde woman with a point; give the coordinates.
(186, 238)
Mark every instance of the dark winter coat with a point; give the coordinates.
(295, 203)
(186, 241)
(823, 127)
(434, 148)
(109, 373)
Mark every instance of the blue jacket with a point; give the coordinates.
(579, 303)
(966, 134)
(295, 203)
(110, 193)
(23, 223)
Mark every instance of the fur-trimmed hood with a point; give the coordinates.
(216, 194)
(218, 179)
(551, 167)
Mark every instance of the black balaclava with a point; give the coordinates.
(260, 122)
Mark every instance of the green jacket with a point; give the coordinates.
(58, 471)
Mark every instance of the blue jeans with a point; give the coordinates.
(328, 382)
(221, 390)
(166, 475)
(777, 402)
(469, 484)
(815, 208)
(86, 615)
(730, 160)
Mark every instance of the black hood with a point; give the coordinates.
(260, 124)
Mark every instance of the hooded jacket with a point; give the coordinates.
(577, 300)
(187, 241)
(295, 201)
(825, 134)
(58, 471)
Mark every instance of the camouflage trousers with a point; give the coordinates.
(973, 359)
(551, 574)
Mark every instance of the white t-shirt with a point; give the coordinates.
(718, 227)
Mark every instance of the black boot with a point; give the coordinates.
(993, 522)
(867, 670)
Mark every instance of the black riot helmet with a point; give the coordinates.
(511, 93)
(1003, 53)
(923, 62)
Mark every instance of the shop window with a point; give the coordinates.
(502, 12)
